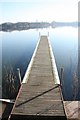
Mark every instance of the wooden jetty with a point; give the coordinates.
(40, 96)
(5, 108)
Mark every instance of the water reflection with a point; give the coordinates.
(65, 47)
(18, 48)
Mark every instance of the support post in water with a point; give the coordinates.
(19, 75)
(62, 72)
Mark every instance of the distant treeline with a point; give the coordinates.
(34, 25)
(23, 26)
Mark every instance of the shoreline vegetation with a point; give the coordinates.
(10, 83)
(8, 26)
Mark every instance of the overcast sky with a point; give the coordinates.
(38, 10)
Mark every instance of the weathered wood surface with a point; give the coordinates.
(72, 109)
(40, 97)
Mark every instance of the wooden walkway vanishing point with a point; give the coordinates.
(39, 97)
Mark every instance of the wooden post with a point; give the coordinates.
(19, 74)
(62, 71)
(48, 34)
(39, 34)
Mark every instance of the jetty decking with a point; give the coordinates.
(72, 110)
(39, 96)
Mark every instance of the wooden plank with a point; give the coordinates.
(72, 109)
(40, 96)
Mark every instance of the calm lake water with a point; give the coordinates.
(18, 47)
